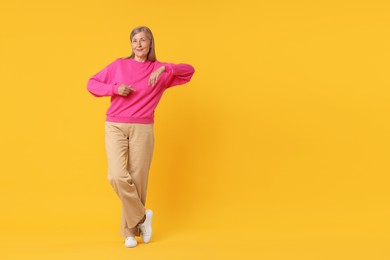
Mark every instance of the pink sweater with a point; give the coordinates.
(139, 105)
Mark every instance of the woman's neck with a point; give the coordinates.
(140, 59)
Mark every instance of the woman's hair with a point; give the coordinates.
(152, 51)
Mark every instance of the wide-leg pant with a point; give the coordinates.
(129, 149)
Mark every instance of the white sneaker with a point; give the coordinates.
(146, 227)
(130, 242)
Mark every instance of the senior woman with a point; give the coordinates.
(135, 85)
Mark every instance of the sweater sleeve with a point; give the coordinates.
(178, 74)
(101, 84)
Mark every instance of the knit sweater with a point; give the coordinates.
(139, 105)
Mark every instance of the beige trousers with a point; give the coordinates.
(129, 149)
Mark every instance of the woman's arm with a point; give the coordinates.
(177, 74)
(99, 85)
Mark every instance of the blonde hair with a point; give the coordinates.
(152, 51)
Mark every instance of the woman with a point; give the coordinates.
(135, 85)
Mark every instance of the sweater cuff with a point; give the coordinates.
(115, 87)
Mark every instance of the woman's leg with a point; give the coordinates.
(117, 148)
(141, 144)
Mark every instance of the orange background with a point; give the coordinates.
(277, 149)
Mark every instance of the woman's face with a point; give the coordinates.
(141, 46)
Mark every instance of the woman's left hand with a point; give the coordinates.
(154, 76)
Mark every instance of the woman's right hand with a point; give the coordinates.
(124, 90)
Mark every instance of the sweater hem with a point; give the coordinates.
(133, 120)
